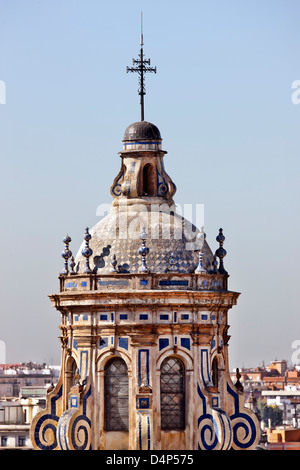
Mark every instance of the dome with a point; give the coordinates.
(171, 239)
(142, 130)
(166, 240)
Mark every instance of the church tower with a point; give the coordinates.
(144, 323)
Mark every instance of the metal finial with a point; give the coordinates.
(143, 251)
(142, 39)
(114, 264)
(201, 238)
(221, 252)
(66, 254)
(87, 251)
(141, 68)
(238, 384)
(72, 265)
(215, 266)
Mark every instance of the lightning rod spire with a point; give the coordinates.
(142, 39)
(141, 68)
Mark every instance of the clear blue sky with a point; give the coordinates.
(222, 101)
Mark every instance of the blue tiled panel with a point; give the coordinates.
(173, 283)
(123, 343)
(164, 317)
(143, 402)
(103, 342)
(71, 284)
(214, 402)
(163, 343)
(113, 283)
(74, 402)
(185, 343)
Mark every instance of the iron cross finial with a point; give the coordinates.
(141, 66)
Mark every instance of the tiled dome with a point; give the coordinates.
(142, 130)
(163, 241)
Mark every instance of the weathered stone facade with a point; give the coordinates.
(144, 330)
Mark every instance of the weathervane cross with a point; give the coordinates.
(141, 66)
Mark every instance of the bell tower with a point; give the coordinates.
(142, 177)
(144, 311)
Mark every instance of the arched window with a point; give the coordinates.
(215, 372)
(70, 372)
(172, 394)
(116, 401)
(148, 180)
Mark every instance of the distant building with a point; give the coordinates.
(279, 366)
(15, 376)
(275, 376)
(283, 439)
(290, 378)
(16, 415)
(278, 386)
(23, 389)
(288, 401)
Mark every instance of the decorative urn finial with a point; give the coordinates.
(66, 254)
(238, 384)
(143, 251)
(200, 238)
(87, 251)
(72, 265)
(172, 264)
(221, 252)
(114, 264)
(214, 265)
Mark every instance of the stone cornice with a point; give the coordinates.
(151, 298)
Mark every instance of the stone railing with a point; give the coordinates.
(141, 281)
